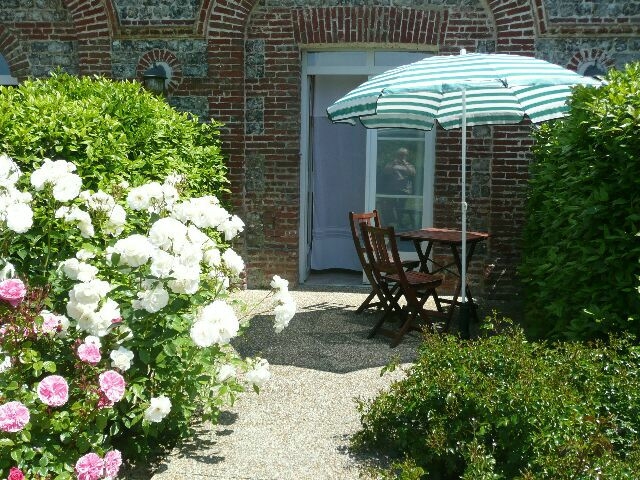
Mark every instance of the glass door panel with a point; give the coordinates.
(400, 178)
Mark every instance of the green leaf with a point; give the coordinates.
(144, 356)
(49, 366)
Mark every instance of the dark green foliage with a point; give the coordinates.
(506, 408)
(581, 250)
(111, 130)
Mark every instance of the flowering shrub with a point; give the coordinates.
(114, 348)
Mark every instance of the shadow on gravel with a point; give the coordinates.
(326, 334)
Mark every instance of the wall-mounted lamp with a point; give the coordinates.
(156, 78)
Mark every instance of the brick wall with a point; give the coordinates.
(238, 61)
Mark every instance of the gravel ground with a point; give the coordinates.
(298, 427)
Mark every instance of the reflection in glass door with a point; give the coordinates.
(401, 163)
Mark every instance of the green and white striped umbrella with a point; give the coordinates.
(499, 89)
(457, 91)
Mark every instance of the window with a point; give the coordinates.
(5, 73)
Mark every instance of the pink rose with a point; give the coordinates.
(12, 291)
(50, 322)
(53, 391)
(112, 463)
(15, 474)
(112, 385)
(90, 353)
(13, 417)
(89, 467)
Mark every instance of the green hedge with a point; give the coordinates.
(111, 130)
(581, 246)
(506, 408)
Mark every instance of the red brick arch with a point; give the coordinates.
(13, 53)
(94, 22)
(375, 24)
(515, 26)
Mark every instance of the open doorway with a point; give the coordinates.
(343, 167)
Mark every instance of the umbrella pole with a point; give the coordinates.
(464, 307)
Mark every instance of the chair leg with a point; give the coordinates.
(366, 304)
(391, 296)
(404, 328)
(376, 328)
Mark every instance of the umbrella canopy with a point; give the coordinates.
(461, 90)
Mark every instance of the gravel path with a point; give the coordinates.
(298, 427)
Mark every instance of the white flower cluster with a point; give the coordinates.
(153, 197)
(15, 211)
(286, 305)
(89, 306)
(216, 323)
(59, 175)
(102, 202)
(176, 256)
(176, 249)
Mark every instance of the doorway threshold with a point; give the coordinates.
(335, 277)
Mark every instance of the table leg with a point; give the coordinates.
(423, 255)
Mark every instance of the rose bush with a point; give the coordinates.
(128, 337)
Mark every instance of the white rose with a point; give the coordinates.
(211, 254)
(90, 292)
(5, 364)
(19, 217)
(225, 372)
(259, 374)
(67, 187)
(283, 315)
(152, 300)
(164, 232)
(190, 254)
(116, 220)
(9, 171)
(121, 358)
(162, 263)
(145, 197)
(279, 283)
(159, 407)
(204, 333)
(220, 318)
(134, 250)
(233, 261)
(186, 279)
(80, 311)
(231, 227)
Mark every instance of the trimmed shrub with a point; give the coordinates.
(580, 263)
(111, 131)
(503, 407)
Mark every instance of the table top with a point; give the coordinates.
(442, 235)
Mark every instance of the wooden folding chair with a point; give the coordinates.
(415, 287)
(356, 220)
